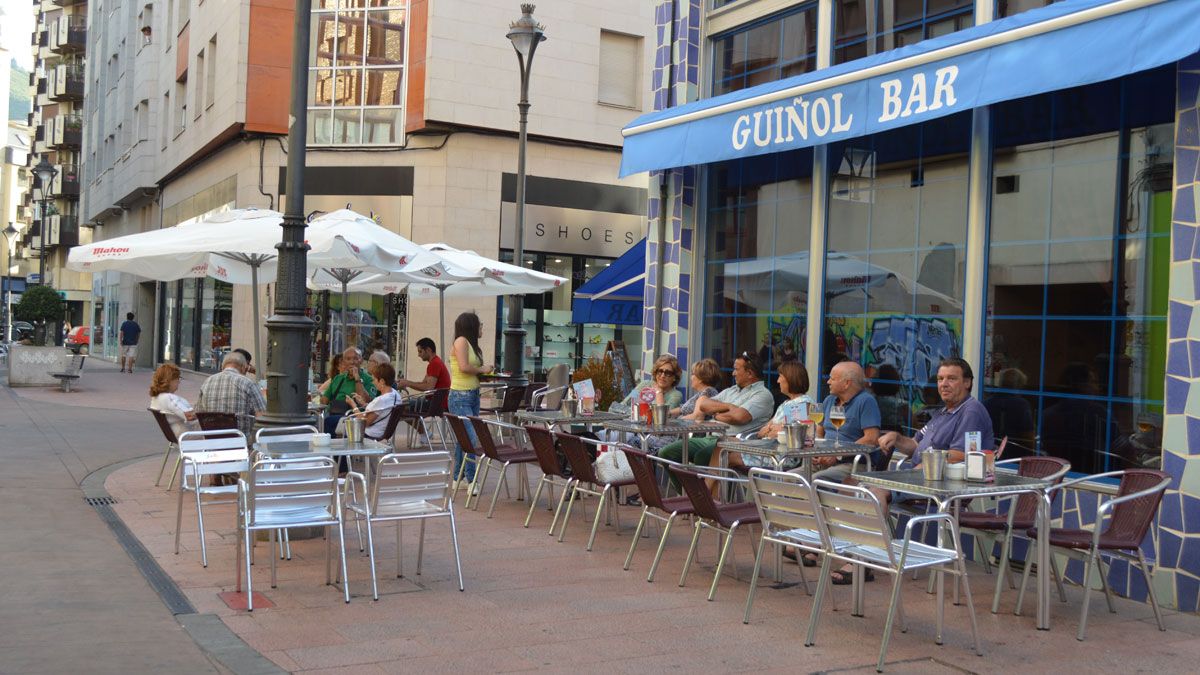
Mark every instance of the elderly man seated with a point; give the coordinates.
(230, 391)
(847, 388)
(744, 407)
(353, 386)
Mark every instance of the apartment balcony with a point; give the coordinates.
(68, 3)
(62, 230)
(39, 133)
(67, 81)
(68, 35)
(65, 131)
(66, 183)
(42, 86)
(43, 38)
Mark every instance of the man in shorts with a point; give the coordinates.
(130, 332)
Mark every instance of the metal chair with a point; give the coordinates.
(724, 517)
(583, 474)
(558, 379)
(215, 421)
(544, 446)
(654, 504)
(268, 435)
(164, 425)
(282, 493)
(389, 432)
(504, 454)
(208, 453)
(407, 486)
(854, 529)
(471, 453)
(1020, 515)
(425, 412)
(530, 390)
(788, 518)
(1130, 514)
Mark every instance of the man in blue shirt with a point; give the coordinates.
(130, 332)
(847, 388)
(948, 428)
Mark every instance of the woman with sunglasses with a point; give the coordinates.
(665, 375)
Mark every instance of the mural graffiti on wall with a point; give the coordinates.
(913, 345)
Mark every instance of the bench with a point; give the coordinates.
(70, 373)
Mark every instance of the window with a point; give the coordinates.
(184, 13)
(210, 76)
(865, 27)
(356, 74)
(142, 117)
(145, 23)
(895, 258)
(1078, 268)
(201, 81)
(166, 119)
(620, 69)
(1010, 7)
(170, 26)
(181, 105)
(766, 51)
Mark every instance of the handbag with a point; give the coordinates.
(611, 466)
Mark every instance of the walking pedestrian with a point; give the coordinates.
(130, 333)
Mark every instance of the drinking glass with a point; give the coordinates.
(837, 417)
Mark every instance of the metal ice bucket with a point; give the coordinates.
(794, 434)
(933, 464)
(354, 429)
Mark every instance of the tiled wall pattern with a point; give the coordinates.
(672, 86)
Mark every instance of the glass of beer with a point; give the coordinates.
(837, 417)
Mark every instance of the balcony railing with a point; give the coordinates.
(66, 131)
(66, 183)
(63, 230)
(68, 83)
(68, 34)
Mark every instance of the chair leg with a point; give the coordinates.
(1103, 569)
(399, 551)
(762, 543)
(637, 534)
(1058, 579)
(271, 537)
(596, 520)
(966, 584)
(567, 487)
(454, 539)
(200, 524)
(691, 554)
(421, 547)
(1150, 589)
(480, 481)
(891, 618)
(371, 555)
(249, 579)
(1002, 572)
(175, 473)
(179, 518)
(1088, 564)
(537, 492)
(161, 469)
(562, 532)
(822, 588)
(342, 552)
(503, 482)
(662, 544)
(1029, 557)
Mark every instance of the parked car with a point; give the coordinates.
(22, 330)
(79, 340)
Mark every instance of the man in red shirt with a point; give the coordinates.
(437, 375)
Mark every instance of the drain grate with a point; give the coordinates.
(100, 501)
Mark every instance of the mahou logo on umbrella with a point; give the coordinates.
(109, 251)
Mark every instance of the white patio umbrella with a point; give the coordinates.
(466, 275)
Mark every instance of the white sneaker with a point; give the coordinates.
(475, 490)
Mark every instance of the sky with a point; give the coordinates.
(15, 28)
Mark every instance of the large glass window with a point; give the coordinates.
(894, 269)
(766, 51)
(1078, 267)
(216, 321)
(756, 260)
(356, 73)
(865, 27)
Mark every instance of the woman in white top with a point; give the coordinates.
(378, 412)
(793, 382)
(164, 399)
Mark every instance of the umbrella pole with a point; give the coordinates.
(345, 326)
(442, 317)
(255, 318)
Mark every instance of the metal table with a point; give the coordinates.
(675, 427)
(555, 418)
(945, 492)
(338, 447)
(778, 453)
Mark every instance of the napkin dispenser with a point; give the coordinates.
(976, 467)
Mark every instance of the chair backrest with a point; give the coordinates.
(438, 403)
(303, 489)
(578, 457)
(514, 395)
(205, 453)
(1037, 467)
(530, 390)
(459, 426)
(542, 440)
(785, 501)
(212, 421)
(413, 478)
(850, 513)
(558, 376)
(487, 442)
(643, 472)
(1131, 520)
(300, 432)
(164, 425)
(698, 492)
(394, 418)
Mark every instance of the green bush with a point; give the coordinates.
(600, 372)
(39, 304)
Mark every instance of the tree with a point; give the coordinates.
(39, 304)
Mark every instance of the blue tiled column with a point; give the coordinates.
(677, 245)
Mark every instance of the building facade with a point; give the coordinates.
(412, 119)
(810, 189)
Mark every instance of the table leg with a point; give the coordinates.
(1043, 563)
(936, 572)
(686, 439)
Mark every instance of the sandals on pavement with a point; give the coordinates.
(845, 577)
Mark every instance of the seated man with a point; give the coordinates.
(230, 391)
(745, 406)
(437, 375)
(354, 382)
(847, 388)
(948, 427)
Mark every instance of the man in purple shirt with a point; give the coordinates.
(948, 427)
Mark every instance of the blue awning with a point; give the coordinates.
(616, 294)
(1063, 45)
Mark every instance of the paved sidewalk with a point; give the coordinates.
(71, 600)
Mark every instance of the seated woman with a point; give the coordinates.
(705, 379)
(666, 375)
(164, 399)
(377, 413)
(793, 382)
(335, 368)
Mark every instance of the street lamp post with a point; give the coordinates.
(289, 330)
(9, 232)
(525, 33)
(46, 174)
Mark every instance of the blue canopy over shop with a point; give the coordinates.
(1063, 45)
(615, 295)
